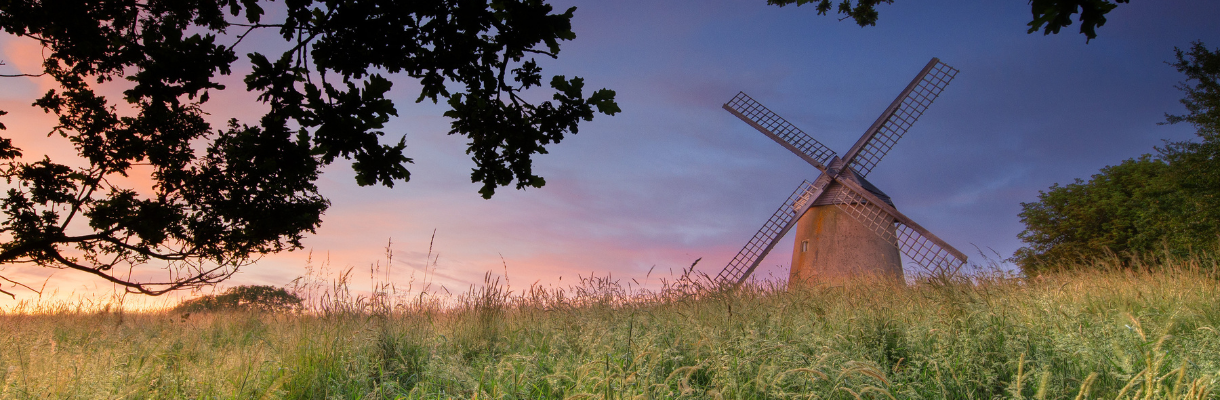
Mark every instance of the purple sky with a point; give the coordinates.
(674, 177)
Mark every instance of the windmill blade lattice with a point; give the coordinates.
(935, 259)
(915, 242)
(780, 130)
(899, 117)
(764, 240)
(863, 205)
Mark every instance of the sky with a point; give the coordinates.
(674, 178)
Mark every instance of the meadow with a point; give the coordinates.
(1146, 331)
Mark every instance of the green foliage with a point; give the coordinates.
(221, 197)
(1202, 87)
(1048, 15)
(244, 298)
(1133, 207)
(1148, 205)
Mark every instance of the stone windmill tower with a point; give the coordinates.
(845, 226)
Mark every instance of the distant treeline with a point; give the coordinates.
(244, 298)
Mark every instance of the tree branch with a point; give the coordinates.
(19, 75)
(18, 284)
(199, 279)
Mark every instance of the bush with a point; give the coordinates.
(244, 298)
(1163, 204)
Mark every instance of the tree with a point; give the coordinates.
(1202, 87)
(1126, 208)
(244, 298)
(222, 197)
(1145, 205)
(1048, 15)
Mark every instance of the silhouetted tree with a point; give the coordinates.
(1048, 15)
(221, 197)
(244, 298)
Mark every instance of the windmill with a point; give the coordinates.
(846, 226)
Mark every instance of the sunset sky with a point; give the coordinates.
(675, 178)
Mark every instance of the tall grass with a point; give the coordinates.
(1148, 332)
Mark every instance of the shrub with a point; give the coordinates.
(1168, 203)
(244, 298)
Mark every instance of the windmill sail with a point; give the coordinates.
(780, 223)
(899, 116)
(864, 206)
(915, 242)
(780, 130)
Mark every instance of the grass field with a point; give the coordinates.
(1114, 334)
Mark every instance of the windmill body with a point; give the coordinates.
(830, 245)
(845, 225)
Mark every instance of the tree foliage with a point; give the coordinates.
(864, 12)
(244, 298)
(1048, 15)
(1127, 208)
(221, 197)
(1145, 205)
(1202, 89)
